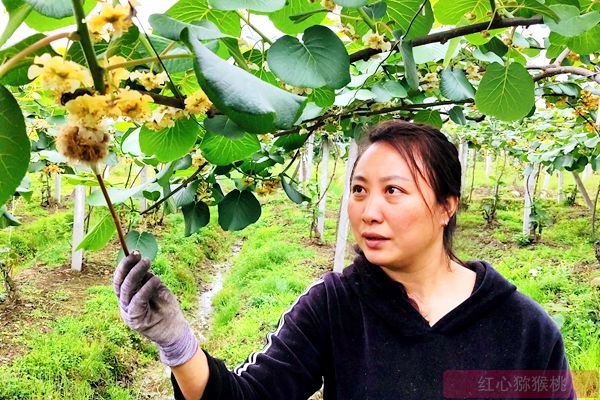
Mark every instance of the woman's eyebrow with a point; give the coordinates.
(384, 179)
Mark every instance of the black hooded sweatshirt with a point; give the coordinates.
(356, 333)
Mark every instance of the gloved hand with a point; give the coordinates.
(150, 308)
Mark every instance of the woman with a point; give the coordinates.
(404, 321)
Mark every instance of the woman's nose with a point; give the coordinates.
(372, 211)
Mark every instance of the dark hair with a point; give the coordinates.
(437, 155)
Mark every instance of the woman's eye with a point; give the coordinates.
(393, 190)
(357, 189)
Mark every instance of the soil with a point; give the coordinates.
(44, 294)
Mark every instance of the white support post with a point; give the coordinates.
(322, 188)
(462, 156)
(78, 227)
(560, 195)
(587, 172)
(547, 177)
(529, 188)
(57, 187)
(106, 172)
(489, 160)
(144, 179)
(308, 162)
(342, 231)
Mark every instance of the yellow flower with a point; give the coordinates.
(376, 41)
(164, 117)
(86, 110)
(204, 192)
(148, 79)
(112, 21)
(82, 145)
(59, 75)
(198, 159)
(328, 4)
(197, 103)
(247, 180)
(52, 169)
(130, 104)
(115, 76)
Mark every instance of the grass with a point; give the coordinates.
(92, 354)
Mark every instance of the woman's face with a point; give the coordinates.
(391, 221)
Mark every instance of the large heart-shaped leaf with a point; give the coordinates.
(17, 75)
(351, 3)
(251, 103)
(320, 60)
(42, 23)
(171, 28)
(399, 14)
(451, 12)
(256, 5)
(170, 143)
(197, 10)
(571, 23)
(145, 242)
(225, 142)
(195, 216)
(238, 210)
(455, 85)
(99, 235)
(118, 195)
(52, 8)
(586, 43)
(282, 17)
(505, 92)
(14, 145)
(410, 68)
(17, 12)
(429, 117)
(294, 195)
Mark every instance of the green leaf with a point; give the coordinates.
(400, 14)
(429, 117)
(170, 143)
(571, 23)
(457, 116)
(291, 142)
(7, 219)
(99, 235)
(410, 68)
(185, 196)
(292, 192)
(321, 60)
(281, 18)
(505, 92)
(14, 145)
(17, 12)
(42, 23)
(195, 216)
(586, 43)
(323, 96)
(255, 5)
(253, 104)
(351, 3)
(387, 90)
(171, 28)
(117, 195)
(540, 9)
(52, 8)
(225, 142)
(455, 85)
(144, 242)
(238, 210)
(17, 75)
(452, 12)
(196, 10)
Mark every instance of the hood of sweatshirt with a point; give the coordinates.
(388, 299)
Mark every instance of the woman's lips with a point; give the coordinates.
(375, 243)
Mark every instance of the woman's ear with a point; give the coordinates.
(450, 207)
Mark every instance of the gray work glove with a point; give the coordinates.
(150, 308)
